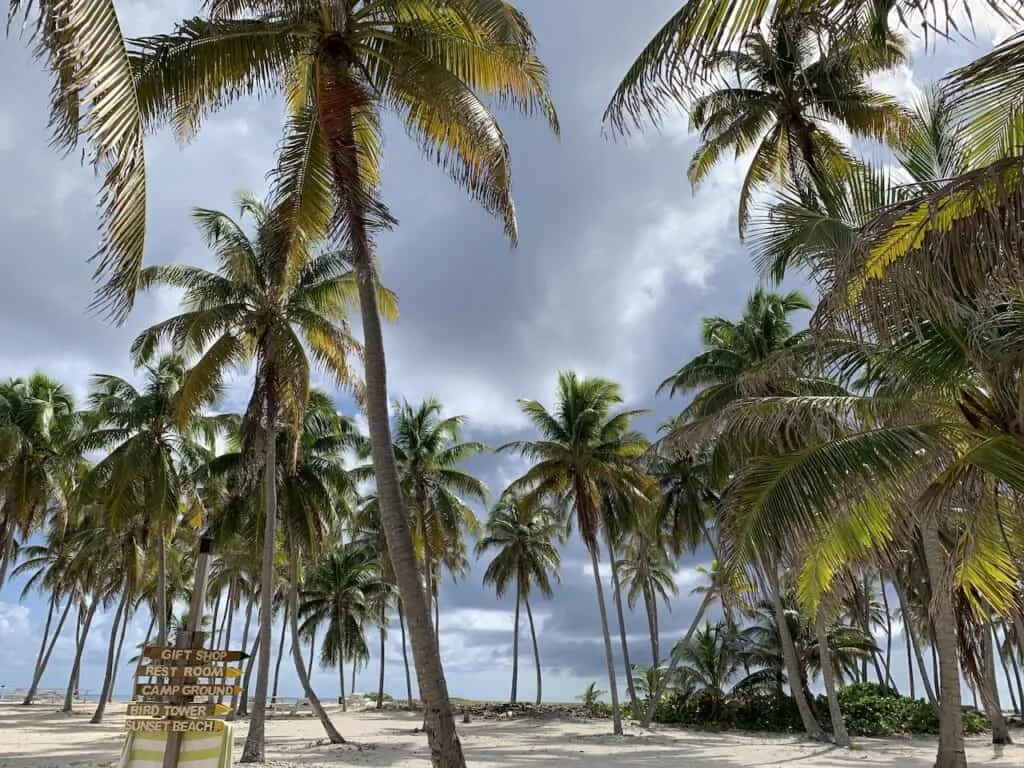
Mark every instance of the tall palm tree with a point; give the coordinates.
(435, 66)
(340, 592)
(38, 456)
(647, 571)
(275, 300)
(584, 450)
(523, 532)
(429, 451)
(150, 446)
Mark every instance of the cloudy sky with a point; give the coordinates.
(618, 261)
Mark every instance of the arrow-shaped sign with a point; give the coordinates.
(194, 655)
(174, 726)
(195, 711)
(194, 671)
(186, 689)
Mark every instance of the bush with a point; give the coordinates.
(869, 709)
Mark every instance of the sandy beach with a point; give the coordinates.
(40, 737)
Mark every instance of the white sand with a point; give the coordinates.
(40, 737)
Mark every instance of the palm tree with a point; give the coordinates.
(340, 593)
(429, 451)
(647, 571)
(149, 440)
(711, 659)
(523, 532)
(583, 451)
(433, 65)
(272, 298)
(38, 456)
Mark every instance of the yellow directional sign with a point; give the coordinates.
(149, 709)
(186, 689)
(174, 726)
(164, 653)
(193, 671)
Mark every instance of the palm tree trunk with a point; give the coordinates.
(515, 644)
(383, 653)
(337, 125)
(673, 662)
(108, 675)
(253, 751)
(608, 657)
(352, 685)
(536, 649)
(405, 655)
(214, 641)
(162, 607)
(792, 663)
(117, 655)
(312, 653)
(245, 644)
(888, 636)
(1006, 668)
(243, 703)
(988, 688)
(651, 607)
(280, 653)
(41, 664)
(229, 611)
(300, 668)
(910, 659)
(341, 685)
(839, 734)
(76, 666)
(951, 735)
(617, 595)
(914, 645)
(36, 674)
(1012, 655)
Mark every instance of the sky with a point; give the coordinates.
(618, 261)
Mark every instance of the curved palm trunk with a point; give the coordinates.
(280, 653)
(341, 685)
(839, 734)
(608, 657)
(245, 644)
(383, 653)
(108, 675)
(339, 96)
(792, 663)
(36, 674)
(243, 703)
(76, 666)
(914, 646)
(300, 667)
(988, 689)
(405, 655)
(951, 736)
(45, 659)
(515, 645)
(634, 703)
(888, 636)
(216, 635)
(910, 661)
(674, 659)
(536, 649)
(312, 652)
(253, 751)
(117, 655)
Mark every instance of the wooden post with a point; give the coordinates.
(191, 637)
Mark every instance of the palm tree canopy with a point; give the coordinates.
(523, 534)
(432, 64)
(584, 450)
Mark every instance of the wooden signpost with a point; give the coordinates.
(168, 684)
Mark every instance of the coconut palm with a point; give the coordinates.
(429, 451)
(150, 445)
(777, 95)
(277, 300)
(523, 532)
(340, 592)
(647, 570)
(435, 66)
(38, 457)
(711, 659)
(583, 451)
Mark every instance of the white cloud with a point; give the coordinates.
(476, 620)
